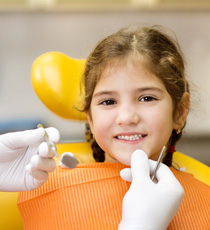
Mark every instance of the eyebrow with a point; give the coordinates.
(141, 90)
(149, 89)
(101, 93)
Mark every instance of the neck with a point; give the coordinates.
(109, 159)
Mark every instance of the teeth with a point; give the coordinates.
(130, 138)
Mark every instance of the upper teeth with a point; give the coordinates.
(130, 138)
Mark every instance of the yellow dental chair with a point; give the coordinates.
(56, 81)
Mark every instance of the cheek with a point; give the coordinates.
(160, 122)
(102, 126)
(100, 123)
(102, 134)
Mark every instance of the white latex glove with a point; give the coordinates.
(148, 205)
(25, 159)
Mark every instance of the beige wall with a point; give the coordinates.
(25, 36)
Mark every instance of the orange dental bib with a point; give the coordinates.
(90, 196)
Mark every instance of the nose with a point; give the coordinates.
(128, 115)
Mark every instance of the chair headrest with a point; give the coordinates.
(56, 79)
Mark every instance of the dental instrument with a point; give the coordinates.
(67, 160)
(158, 163)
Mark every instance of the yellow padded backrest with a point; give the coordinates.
(193, 166)
(9, 214)
(56, 79)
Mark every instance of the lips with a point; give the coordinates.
(132, 137)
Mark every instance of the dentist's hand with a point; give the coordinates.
(25, 159)
(148, 205)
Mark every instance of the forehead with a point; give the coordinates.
(136, 60)
(135, 69)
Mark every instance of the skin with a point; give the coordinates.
(131, 109)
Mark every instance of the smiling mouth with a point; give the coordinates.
(131, 137)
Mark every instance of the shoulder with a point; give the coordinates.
(194, 210)
(188, 180)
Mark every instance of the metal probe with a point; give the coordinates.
(158, 162)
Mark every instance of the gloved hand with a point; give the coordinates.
(25, 159)
(148, 205)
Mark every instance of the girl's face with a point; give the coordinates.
(131, 109)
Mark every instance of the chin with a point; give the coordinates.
(126, 161)
(123, 158)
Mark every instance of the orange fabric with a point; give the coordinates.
(90, 197)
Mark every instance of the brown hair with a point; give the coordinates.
(162, 56)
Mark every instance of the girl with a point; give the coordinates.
(136, 97)
(136, 94)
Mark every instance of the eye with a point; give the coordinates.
(108, 102)
(148, 99)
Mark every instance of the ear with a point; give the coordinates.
(90, 122)
(182, 112)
